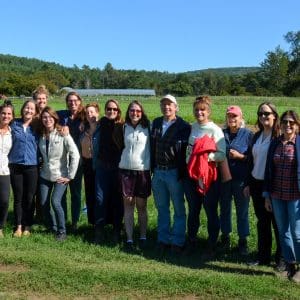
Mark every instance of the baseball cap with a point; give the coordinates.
(169, 97)
(234, 109)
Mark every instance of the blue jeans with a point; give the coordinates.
(166, 187)
(210, 203)
(234, 188)
(287, 216)
(51, 195)
(109, 202)
(75, 191)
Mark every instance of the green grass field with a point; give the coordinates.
(38, 267)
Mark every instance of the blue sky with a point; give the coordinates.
(163, 35)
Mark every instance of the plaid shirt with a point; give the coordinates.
(284, 184)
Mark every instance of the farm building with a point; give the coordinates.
(111, 92)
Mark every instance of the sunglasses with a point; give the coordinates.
(111, 109)
(138, 111)
(264, 113)
(286, 122)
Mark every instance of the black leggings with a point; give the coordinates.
(4, 198)
(24, 183)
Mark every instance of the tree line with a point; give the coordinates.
(278, 75)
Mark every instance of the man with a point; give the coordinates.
(169, 136)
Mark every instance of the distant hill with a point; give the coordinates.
(227, 71)
(26, 65)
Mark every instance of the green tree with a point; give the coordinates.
(275, 71)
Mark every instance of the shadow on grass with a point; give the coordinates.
(224, 262)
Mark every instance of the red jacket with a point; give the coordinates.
(199, 168)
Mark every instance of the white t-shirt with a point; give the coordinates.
(260, 152)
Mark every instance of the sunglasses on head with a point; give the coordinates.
(286, 122)
(111, 109)
(264, 113)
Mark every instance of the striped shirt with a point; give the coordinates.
(284, 184)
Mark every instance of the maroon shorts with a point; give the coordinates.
(135, 183)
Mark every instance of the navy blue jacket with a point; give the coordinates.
(241, 143)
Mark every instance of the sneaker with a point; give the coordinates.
(61, 236)
(243, 247)
(281, 266)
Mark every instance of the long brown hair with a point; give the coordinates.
(144, 119)
(276, 125)
(118, 118)
(81, 111)
(53, 114)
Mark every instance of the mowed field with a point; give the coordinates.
(38, 267)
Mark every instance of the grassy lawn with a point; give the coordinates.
(38, 267)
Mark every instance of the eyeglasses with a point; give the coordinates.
(112, 109)
(286, 122)
(264, 113)
(138, 111)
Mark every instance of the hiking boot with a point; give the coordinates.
(243, 247)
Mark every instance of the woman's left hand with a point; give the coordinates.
(268, 204)
(63, 180)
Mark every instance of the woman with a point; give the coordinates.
(60, 161)
(86, 145)
(204, 127)
(23, 167)
(6, 116)
(73, 117)
(135, 170)
(40, 95)
(238, 141)
(109, 205)
(268, 124)
(282, 189)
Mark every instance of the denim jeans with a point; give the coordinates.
(109, 202)
(75, 191)
(234, 188)
(287, 216)
(51, 195)
(166, 187)
(210, 203)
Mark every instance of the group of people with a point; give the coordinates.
(121, 161)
